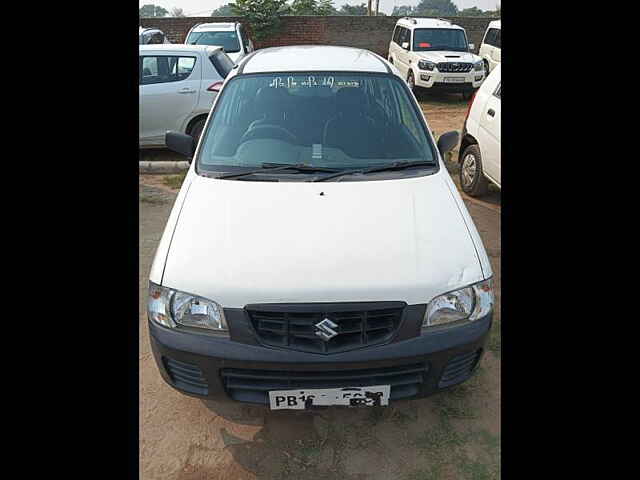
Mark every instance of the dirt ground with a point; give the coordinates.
(451, 435)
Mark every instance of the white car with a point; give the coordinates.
(491, 45)
(178, 84)
(230, 36)
(433, 53)
(318, 252)
(480, 145)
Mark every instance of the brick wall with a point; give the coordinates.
(372, 33)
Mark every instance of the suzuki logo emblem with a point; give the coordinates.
(325, 329)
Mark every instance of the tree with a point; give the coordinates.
(436, 8)
(312, 7)
(177, 12)
(224, 11)
(353, 9)
(152, 11)
(472, 12)
(262, 15)
(402, 11)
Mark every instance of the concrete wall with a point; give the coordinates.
(372, 33)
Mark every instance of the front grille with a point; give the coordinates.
(294, 327)
(254, 385)
(454, 67)
(186, 376)
(459, 368)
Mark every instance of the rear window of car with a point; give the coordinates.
(222, 63)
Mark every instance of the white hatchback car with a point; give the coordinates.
(230, 36)
(480, 146)
(178, 84)
(318, 252)
(490, 49)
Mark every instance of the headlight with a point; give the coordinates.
(479, 66)
(466, 304)
(426, 65)
(171, 308)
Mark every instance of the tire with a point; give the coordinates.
(196, 130)
(411, 82)
(486, 68)
(472, 179)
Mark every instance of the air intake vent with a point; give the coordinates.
(253, 385)
(186, 376)
(459, 368)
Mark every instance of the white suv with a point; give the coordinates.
(480, 146)
(491, 45)
(434, 53)
(230, 36)
(178, 84)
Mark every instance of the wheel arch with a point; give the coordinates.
(193, 121)
(467, 140)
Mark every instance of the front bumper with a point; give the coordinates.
(437, 80)
(215, 368)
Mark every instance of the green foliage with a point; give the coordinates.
(402, 11)
(224, 11)
(436, 8)
(177, 12)
(151, 10)
(262, 15)
(312, 7)
(353, 9)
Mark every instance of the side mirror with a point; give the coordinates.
(405, 45)
(180, 143)
(448, 142)
(472, 46)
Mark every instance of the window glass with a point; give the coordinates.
(156, 38)
(404, 35)
(497, 41)
(498, 92)
(222, 63)
(227, 40)
(396, 34)
(338, 120)
(425, 39)
(164, 69)
(491, 37)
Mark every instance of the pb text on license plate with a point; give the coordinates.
(354, 396)
(454, 79)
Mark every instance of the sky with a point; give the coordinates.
(197, 8)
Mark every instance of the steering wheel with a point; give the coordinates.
(261, 131)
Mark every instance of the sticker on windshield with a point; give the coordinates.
(316, 151)
(311, 81)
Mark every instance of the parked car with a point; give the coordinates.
(151, 36)
(230, 36)
(491, 44)
(433, 53)
(480, 146)
(318, 252)
(178, 84)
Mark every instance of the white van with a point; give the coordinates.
(490, 47)
(318, 252)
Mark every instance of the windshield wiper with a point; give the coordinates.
(274, 167)
(383, 168)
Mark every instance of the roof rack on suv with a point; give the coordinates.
(412, 20)
(444, 20)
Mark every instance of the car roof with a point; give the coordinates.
(218, 27)
(410, 22)
(180, 47)
(313, 58)
(495, 24)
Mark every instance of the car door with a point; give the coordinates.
(489, 134)
(169, 93)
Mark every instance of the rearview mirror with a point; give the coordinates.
(405, 45)
(448, 142)
(472, 46)
(180, 143)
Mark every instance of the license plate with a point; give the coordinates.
(353, 397)
(454, 79)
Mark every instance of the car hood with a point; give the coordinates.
(449, 56)
(241, 242)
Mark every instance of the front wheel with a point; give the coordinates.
(472, 178)
(196, 131)
(411, 82)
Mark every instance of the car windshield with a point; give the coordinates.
(453, 39)
(227, 40)
(329, 120)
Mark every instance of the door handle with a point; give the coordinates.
(186, 90)
(491, 112)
